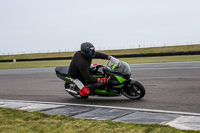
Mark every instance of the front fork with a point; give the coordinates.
(130, 81)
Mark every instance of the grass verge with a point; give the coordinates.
(35, 64)
(35, 122)
(183, 48)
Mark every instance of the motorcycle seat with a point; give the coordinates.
(63, 70)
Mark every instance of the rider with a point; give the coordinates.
(79, 68)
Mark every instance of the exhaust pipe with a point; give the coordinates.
(71, 91)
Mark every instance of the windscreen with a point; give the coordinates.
(113, 63)
(117, 66)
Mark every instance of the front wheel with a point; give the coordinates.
(134, 91)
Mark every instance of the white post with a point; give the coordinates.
(14, 60)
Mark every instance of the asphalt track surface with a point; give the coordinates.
(169, 86)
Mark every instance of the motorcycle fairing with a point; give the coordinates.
(120, 79)
(104, 92)
(118, 86)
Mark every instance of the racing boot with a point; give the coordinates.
(85, 91)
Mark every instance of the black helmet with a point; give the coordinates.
(88, 49)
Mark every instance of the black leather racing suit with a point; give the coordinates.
(80, 65)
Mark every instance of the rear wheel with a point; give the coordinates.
(134, 91)
(67, 86)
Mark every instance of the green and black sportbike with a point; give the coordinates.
(119, 73)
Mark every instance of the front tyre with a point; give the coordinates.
(134, 91)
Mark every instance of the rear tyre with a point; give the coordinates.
(134, 91)
(67, 86)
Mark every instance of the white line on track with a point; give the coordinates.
(111, 107)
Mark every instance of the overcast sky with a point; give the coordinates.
(50, 25)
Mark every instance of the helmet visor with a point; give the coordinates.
(91, 53)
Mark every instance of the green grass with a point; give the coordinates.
(17, 121)
(166, 49)
(183, 48)
(35, 64)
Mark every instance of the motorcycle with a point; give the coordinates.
(119, 73)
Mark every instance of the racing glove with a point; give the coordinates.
(109, 57)
(102, 80)
(85, 91)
